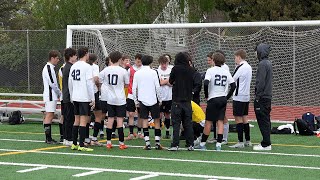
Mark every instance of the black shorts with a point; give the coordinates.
(116, 111)
(240, 108)
(97, 106)
(131, 106)
(104, 106)
(216, 109)
(154, 110)
(62, 108)
(82, 108)
(166, 106)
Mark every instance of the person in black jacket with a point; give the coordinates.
(181, 111)
(263, 96)
(197, 83)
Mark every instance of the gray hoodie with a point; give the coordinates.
(264, 75)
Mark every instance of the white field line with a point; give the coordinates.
(32, 169)
(87, 173)
(145, 177)
(123, 171)
(227, 151)
(169, 159)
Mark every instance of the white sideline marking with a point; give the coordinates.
(32, 169)
(169, 159)
(22, 140)
(87, 173)
(125, 171)
(145, 177)
(228, 151)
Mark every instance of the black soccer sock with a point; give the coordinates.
(146, 136)
(121, 135)
(75, 132)
(47, 131)
(246, 129)
(240, 132)
(131, 129)
(109, 133)
(114, 126)
(87, 130)
(220, 136)
(204, 138)
(157, 134)
(139, 129)
(167, 125)
(82, 133)
(214, 130)
(61, 128)
(102, 125)
(96, 129)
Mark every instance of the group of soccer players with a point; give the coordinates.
(122, 90)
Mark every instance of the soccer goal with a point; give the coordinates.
(295, 49)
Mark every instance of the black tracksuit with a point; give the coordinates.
(263, 93)
(181, 77)
(197, 84)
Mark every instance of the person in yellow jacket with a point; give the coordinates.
(198, 120)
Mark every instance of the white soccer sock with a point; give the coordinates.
(225, 131)
(157, 138)
(147, 140)
(108, 142)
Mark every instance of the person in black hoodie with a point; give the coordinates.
(263, 96)
(197, 83)
(181, 110)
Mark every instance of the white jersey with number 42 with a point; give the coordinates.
(80, 78)
(113, 79)
(219, 81)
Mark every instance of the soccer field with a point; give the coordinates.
(24, 155)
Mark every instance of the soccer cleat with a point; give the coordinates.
(52, 141)
(61, 140)
(67, 143)
(101, 134)
(167, 136)
(238, 145)
(248, 144)
(123, 146)
(147, 147)
(113, 136)
(96, 143)
(190, 148)
(174, 148)
(85, 149)
(224, 142)
(130, 137)
(140, 136)
(218, 146)
(109, 146)
(199, 147)
(261, 148)
(212, 140)
(74, 147)
(159, 147)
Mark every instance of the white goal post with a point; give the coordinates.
(295, 48)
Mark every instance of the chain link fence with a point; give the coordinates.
(23, 55)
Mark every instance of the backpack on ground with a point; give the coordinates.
(310, 119)
(303, 127)
(15, 118)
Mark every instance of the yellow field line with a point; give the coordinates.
(33, 150)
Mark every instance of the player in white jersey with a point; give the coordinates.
(216, 85)
(166, 90)
(93, 60)
(146, 94)
(242, 76)
(169, 59)
(51, 93)
(114, 78)
(82, 95)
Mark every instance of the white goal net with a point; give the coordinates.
(295, 49)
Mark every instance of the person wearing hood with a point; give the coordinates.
(181, 111)
(263, 96)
